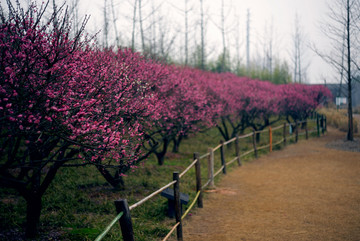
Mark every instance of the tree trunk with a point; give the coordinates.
(116, 181)
(177, 142)
(257, 138)
(303, 124)
(161, 155)
(224, 131)
(33, 211)
(350, 134)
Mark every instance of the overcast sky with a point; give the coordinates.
(264, 13)
(311, 13)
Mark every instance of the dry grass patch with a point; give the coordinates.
(338, 119)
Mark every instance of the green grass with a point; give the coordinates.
(79, 204)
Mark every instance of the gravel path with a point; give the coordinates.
(305, 192)
(343, 144)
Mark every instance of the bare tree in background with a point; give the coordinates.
(114, 19)
(185, 12)
(106, 26)
(74, 15)
(165, 40)
(222, 28)
(153, 29)
(298, 52)
(55, 23)
(344, 14)
(141, 27)
(223, 63)
(342, 63)
(186, 16)
(133, 26)
(202, 29)
(238, 44)
(248, 40)
(268, 45)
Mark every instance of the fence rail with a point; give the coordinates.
(189, 167)
(151, 195)
(107, 229)
(123, 210)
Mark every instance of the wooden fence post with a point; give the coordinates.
(254, 144)
(318, 125)
(222, 155)
(211, 168)
(237, 149)
(306, 130)
(284, 134)
(325, 123)
(198, 179)
(177, 205)
(270, 139)
(322, 124)
(296, 131)
(125, 220)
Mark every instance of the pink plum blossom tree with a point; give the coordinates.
(183, 108)
(227, 90)
(262, 103)
(298, 101)
(37, 65)
(64, 104)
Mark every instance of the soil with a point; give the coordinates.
(307, 191)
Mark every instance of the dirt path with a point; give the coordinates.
(305, 192)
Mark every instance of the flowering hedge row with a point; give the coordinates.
(64, 102)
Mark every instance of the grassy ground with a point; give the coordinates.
(79, 203)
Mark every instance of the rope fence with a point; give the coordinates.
(244, 136)
(247, 153)
(151, 195)
(263, 147)
(107, 229)
(191, 205)
(171, 231)
(188, 168)
(205, 155)
(277, 128)
(123, 210)
(279, 142)
(217, 147)
(261, 131)
(206, 184)
(218, 172)
(229, 141)
(232, 161)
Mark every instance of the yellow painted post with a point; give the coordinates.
(270, 139)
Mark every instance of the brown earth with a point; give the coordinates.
(307, 191)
